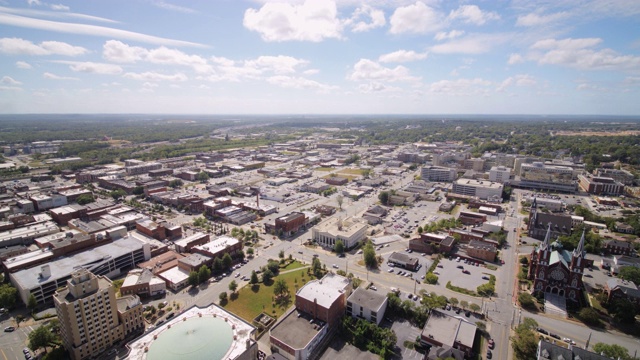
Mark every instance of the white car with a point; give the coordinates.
(335, 266)
(390, 270)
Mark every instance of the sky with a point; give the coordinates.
(320, 57)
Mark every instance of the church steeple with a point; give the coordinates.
(534, 204)
(547, 239)
(579, 251)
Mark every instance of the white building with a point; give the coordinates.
(368, 305)
(499, 174)
(481, 189)
(350, 231)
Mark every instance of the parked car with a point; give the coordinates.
(555, 336)
(542, 331)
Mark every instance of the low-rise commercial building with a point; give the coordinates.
(482, 250)
(485, 190)
(448, 332)
(367, 304)
(350, 231)
(404, 260)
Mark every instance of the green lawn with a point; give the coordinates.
(251, 301)
(324, 169)
(351, 171)
(293, 265)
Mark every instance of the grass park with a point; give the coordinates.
(251, 300)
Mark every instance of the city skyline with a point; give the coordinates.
(320, 57)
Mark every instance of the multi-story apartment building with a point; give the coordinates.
(481, 189)
(499, 174)
(438, 174)
(88, 315)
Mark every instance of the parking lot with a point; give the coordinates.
(404, 332)
(451, 271)
(406, 221)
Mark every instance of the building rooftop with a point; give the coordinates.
(367, 298)
(65, 265)
(218, 243)
(449, 330)
(175, 275)
(296, 329)
(326, 290)
(479, 183)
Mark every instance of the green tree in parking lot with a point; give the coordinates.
(383, 197)
(474, 307)
(40, 338)
(464, 304)
(454, 301)
(431, 278)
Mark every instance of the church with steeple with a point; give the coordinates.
(557, 271)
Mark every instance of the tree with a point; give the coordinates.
(613, 351)
(474, 307)
(193, 278)
(202, 176)
(431, 278)
(85, 199)
(175, 183)
(630, 273)
(339, 200)
(250, 252)
(226, 261)
(117, 194)
(204, 273)
(217, 264)
(454, 301)
(138, 190)
(280, 288)
(32, 303)
(526, 300)
(369, 254)
(40, 338)
(254, 278)
(464, 304)
(383, 197)
(525, 342)
(623, 310)
(420, 230)
(589, 316)
(316, 267)
(223, 297)
(339, 247)
(267, 275)
(281, 254)
(233, 286)
(524, 261)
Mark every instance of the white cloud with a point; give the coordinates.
(367, 70)
(357, 25)
(298, 83)
(10, 88)
(23, 65)
(376, 87)
(533, 19)
(578, 53)
(34, 2)
(311, 71)
(59, 7)
(460, 86)
(172, 7)
(472, 44)
(443, 35)
(402, 56)
(566, 44)
(117, 51)
(515, 59)
(92, 30)
(16, 46)
(518, 80)
(223, 61)
(309, 21)
(93, 68)
(50, 76)
(154, 76)
(417, 18)
(472, 14)
(276, 64)
(8, 80)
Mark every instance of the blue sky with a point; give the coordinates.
(320, 57)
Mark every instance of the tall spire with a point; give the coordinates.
(579, 251)
(534, 204)
(547, 238)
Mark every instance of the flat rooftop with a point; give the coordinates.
(367, 298)
(296, 329)
(448, 329)
(65, 265)
(479, 183)
(326, 290)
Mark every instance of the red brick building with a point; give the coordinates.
(286, 225)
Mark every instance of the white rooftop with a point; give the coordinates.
(326, 290)
(175, 275)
